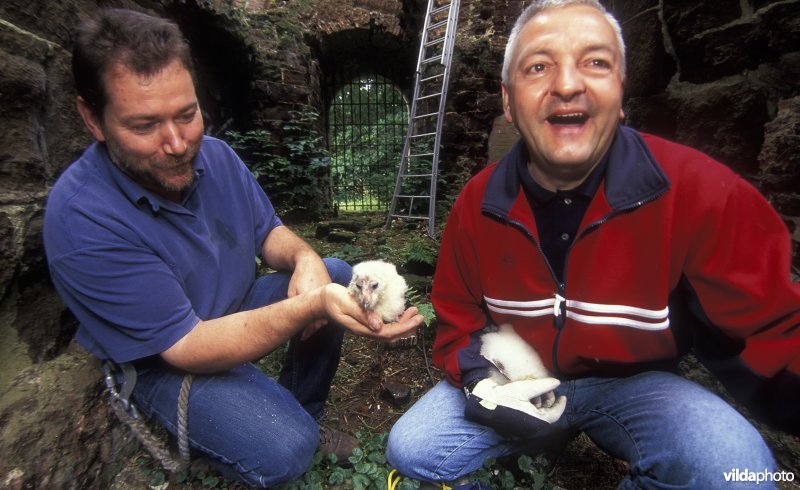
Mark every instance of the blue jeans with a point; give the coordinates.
(248, 426)
(672, 432)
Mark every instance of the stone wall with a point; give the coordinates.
(718, 75)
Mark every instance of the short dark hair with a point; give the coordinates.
(140, 42)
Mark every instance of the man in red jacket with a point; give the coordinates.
(611, 253)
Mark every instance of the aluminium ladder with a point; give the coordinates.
(415, 188)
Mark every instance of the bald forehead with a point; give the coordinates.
(581, 20)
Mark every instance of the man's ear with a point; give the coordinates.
(507, 104)
(90, 119)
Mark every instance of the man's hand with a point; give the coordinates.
(507, 408)
(342, 309)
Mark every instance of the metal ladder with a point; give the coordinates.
(415, 188)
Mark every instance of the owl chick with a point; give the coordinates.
(513, 359)
(378, 287)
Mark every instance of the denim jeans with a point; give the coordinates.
(672, 432)
(248, 426)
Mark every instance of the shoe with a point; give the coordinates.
(337, 443)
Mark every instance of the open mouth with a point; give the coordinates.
(569, 119)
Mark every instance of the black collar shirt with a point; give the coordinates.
(559, 214)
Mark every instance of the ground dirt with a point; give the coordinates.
(359, 402)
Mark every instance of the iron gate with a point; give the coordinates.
(367, 122)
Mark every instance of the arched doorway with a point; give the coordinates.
(367, 122)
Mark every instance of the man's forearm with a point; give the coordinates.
(225, 342)
(283, 250)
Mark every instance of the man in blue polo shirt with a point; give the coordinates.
(151, 236)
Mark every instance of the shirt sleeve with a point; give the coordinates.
(739, 273)
(128, 301)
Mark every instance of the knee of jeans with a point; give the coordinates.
(285, 463)
(406, 453)
(339, 270)
(399, 454)
(736, 444)
(707, 454)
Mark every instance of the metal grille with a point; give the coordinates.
(367, 122)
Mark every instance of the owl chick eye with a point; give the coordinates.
(374, 285)
(359, 286)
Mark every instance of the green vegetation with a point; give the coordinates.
(293, 167)
(366, 469)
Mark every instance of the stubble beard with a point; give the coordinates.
(150, 172)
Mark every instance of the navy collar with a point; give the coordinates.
(542, 196)
(632, 175)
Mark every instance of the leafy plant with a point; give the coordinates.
(425, 308)
(349, 253)
(367, 469)
(291, 163)
(420, 248)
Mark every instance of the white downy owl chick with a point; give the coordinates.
(378, 287)
(513, 359)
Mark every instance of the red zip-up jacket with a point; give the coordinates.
(675, 251)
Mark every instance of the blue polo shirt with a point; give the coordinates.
(139, 271)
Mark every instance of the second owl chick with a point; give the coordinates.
(513, 359)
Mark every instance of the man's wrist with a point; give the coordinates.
(306, 255)
(469, 387)
(318, 306)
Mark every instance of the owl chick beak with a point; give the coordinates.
(366, 289)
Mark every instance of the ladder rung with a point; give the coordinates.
(433, 59)
(418, 155)
(415, 175)
(429, 96)
(407, 216)
(432, 77)
(423, 135)
(407, 196)
(431, 114)
(437, 25)
(434, 42)
(440, 9)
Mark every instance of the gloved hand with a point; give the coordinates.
(508, 409)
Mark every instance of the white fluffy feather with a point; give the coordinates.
(378, 287)
(514, 358)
